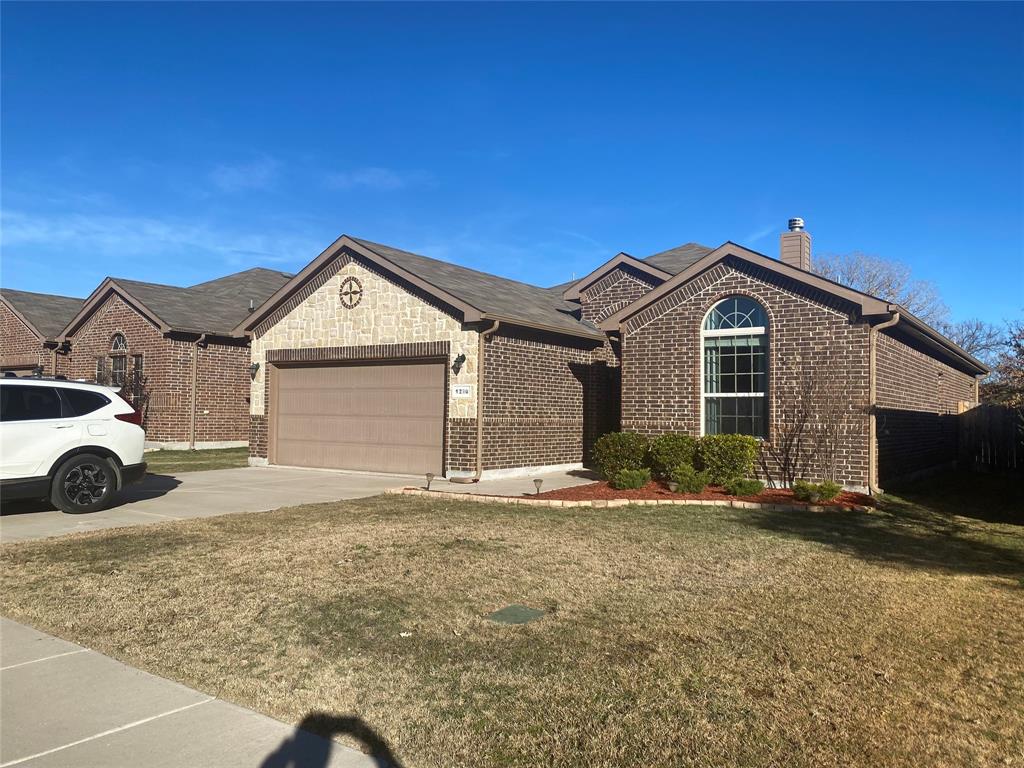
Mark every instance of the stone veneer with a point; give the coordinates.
(387, 313)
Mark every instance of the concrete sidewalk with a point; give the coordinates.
(64, 705)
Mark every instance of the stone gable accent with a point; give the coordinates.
(387, 313)
(662, 355)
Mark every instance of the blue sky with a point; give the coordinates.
(179, 142)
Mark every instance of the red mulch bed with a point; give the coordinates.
(656, 490)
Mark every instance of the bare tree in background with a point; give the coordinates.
(976, 337)
(1006, 385)
(886, 279)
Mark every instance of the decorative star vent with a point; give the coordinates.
(351, 292)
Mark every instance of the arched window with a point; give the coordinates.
(734, 387)
(118, 359)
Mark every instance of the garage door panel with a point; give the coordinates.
(384, 418)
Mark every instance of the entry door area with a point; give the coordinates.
(377, 418)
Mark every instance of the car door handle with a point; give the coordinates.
(61, 426)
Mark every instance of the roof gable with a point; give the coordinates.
(213, 307)
(45, 314)
(573, 290)
(473, 294)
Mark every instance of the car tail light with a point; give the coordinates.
(135, 417)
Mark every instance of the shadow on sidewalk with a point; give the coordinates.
(310, 746)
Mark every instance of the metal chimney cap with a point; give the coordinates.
(796, 224)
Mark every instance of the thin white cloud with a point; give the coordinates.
(260, 174)
(123, 237)
(383, 179)
(758, 234)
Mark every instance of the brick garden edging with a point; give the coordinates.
(735, 504)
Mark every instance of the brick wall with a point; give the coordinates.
(546, 399)
(222, 409)
(20, 348)
(810, 334)
(616, 290)
(918, 398)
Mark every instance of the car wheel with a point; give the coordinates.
(83, 483)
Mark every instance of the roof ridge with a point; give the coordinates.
(40, 293)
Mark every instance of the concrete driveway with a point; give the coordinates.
(197, 494)
(246, 489)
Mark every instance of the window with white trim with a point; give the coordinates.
(734, 387)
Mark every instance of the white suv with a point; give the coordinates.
(76, 444)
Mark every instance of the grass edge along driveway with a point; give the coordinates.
(673, 636)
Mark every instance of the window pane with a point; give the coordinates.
(29, 403)
(735, 415)
(117, 368)
(83, 402)
(736, 312)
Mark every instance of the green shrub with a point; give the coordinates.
(727, 456)
(815, 492)
(630, 478)
(740, 486)
(668, 451)
(620, 450)
(688, 479)
(828, 490)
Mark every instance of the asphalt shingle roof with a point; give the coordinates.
(492, 295)
(47, 312)
(675, 260)
(216, 306)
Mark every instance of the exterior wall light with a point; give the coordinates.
(253, 370)
(458, 363)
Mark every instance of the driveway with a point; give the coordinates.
(62, 705)
(197, 494)
(246, 489)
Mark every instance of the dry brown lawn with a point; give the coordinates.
(176, 462)
(674, 636)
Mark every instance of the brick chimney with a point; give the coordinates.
(795, 246)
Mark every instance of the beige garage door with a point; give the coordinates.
(377, 418)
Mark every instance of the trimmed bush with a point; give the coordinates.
(740, 486)
(815, 492)
(668, 451)
(727, 456)
(688, 479)
(626, 479)
(828, 490)
(616, 451)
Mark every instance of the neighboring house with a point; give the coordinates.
(373, 358)
(30, 324)
(174, 352)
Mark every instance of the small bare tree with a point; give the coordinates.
(814, 401)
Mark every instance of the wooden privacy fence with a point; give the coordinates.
(991, 438)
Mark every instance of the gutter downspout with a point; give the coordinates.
(195, 378)
(481, 336)
(872, 401)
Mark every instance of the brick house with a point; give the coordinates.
(373, 358)
(173, 350)
(30, 325)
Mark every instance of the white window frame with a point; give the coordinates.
(758, 330)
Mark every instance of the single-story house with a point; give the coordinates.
(173, 350)
(376, 359)
(30, 325)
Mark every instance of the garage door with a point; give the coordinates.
(377, 418)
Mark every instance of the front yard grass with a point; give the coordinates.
(176, 462)
(673, 636)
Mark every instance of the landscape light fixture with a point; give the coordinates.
(37, 372)
(538, 483)
(430, 479)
